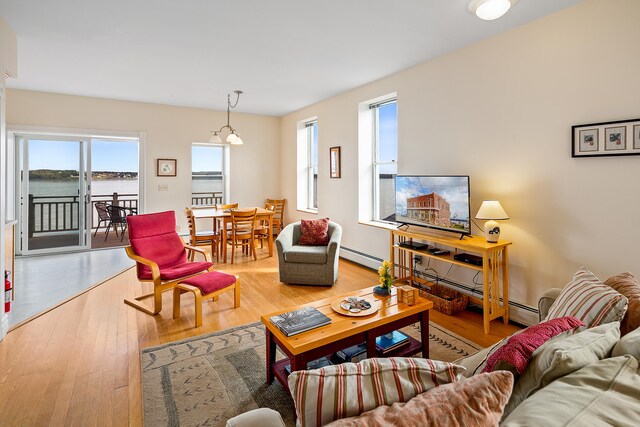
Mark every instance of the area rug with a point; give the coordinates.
(205, 380)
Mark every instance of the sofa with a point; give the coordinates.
(308, 264)
(576, 375)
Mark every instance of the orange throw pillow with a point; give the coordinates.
(628, 286)
(315, 232)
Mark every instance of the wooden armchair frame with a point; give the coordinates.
(159, 286)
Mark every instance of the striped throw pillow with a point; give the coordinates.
(588, 299)
(346, 390)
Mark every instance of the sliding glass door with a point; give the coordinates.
(54, 196)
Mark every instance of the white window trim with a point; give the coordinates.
(225, 167)
(367, 165)
(304, 170)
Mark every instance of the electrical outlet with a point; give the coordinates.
(417, 259)
(163, 187)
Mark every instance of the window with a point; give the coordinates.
(207, 174)
(308, 165)
(385, 154)
(312, 167)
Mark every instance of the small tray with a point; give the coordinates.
(375, 306)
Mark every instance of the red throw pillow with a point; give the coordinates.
(315, 232)
(514, 356)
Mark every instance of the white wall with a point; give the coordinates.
(170, 131)
(501, 111)
(8, 68)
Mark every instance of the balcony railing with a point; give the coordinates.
(48, 214)
(210, 198)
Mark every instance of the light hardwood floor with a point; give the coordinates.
(79, 364)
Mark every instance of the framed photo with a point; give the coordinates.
(588, 140)
(606, 139)
(615, 138)
(167, 167)
(334, 162)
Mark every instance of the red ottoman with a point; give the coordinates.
(206, 286)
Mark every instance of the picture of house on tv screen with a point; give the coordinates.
(434, 201)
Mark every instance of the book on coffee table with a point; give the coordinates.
(391, 341)
(354, 354)
(298, 321)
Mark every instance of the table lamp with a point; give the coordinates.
(491, 210)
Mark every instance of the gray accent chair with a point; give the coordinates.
(308, 265)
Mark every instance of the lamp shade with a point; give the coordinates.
(491, 209)
(237, 140)
(232, 138)
(215, 138)
(490, 9)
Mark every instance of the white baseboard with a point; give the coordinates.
(518, 312)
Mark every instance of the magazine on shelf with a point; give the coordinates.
(314, 364)
(301, 320)
(391, 341)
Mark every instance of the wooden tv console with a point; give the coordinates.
(494, 268)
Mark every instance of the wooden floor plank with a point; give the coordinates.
(79, 364)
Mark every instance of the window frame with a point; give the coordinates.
(224, 165)
(311, 128)
(376, 163)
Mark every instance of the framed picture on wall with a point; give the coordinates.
(167, 167)
(334, 162)
(606, 139)
(615, 138)
(588, 140)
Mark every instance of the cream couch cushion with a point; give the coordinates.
(561, 356)
(628, 344)
(602, 393)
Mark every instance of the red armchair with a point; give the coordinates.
(161, 256)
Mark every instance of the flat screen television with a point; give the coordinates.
(440, 202)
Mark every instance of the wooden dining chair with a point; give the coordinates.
(220, 221)
(278, 216)
(202, 238)
(242, 232)
(262, 227)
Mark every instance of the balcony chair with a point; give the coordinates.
(117, 217)
(103, 216)
(198, 238)
(308, 265)
(162, 259)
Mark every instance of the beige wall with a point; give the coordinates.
(170, 131)
(501, 111)
(8, 67)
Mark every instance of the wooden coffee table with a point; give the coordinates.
(345, 331)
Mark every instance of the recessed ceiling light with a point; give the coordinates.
(490, 9)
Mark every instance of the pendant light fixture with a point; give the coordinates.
(233, 138)
(490, 9)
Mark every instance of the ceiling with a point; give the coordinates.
(284, 54)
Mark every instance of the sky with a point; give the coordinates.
(115, 156)
(388, 133)
(206, 158)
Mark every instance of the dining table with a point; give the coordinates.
(224, 216)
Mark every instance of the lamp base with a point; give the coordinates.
(492, 231)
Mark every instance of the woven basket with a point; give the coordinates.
(446, 300)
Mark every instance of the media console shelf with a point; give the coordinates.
(494, 268)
